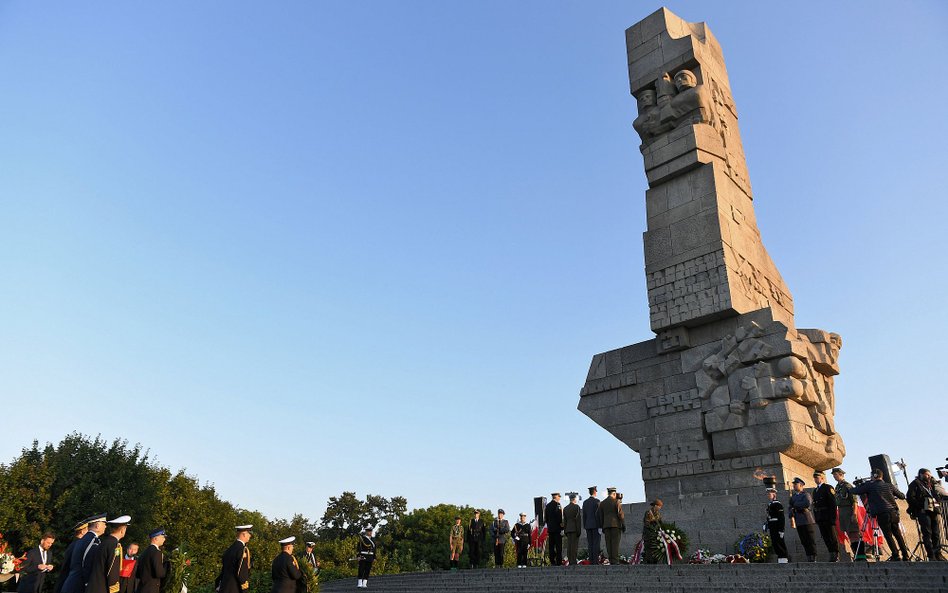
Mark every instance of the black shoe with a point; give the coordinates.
(894, 558)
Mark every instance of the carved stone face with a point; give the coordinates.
(646, 99)
(685, 79)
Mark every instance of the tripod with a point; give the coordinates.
(873, 523)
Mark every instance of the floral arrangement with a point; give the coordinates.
(176, 580)
(310, 578)
(8, 562)
(704, 556)
(664, 544)
(754, 547)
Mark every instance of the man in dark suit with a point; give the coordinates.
(235, 564)
(591, 523)
(34, 568)
(553, 514)
(79, 530)
(108, 558)
(80, 566)
(572, 527)
(475, 531)
(152, 566)
(824, 511)
(611, 519)
(285, 571)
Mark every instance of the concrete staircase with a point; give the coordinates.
(717, 578)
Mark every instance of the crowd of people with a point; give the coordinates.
(95, 561)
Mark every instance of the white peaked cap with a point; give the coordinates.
(288, 540)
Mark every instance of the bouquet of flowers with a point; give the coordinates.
(704, 556)
(8, 562)
(176, 579)
(668, 544)
(310, 583)
(755, 547)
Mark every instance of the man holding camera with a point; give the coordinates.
(882, 506)
(924, 494)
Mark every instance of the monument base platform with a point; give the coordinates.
(718, 578)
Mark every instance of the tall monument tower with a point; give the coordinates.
(729, 391)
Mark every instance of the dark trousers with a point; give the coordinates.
(807, 535)
(572, 547)
(474, 553)
(613, 535)
(498, 554)
(555, 545)
(889, 524)
(365, 567)
(523, 544)
(828, 532)
(931, 534)
(780, 546)
(592, 542)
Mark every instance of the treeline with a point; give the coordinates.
(51, 487)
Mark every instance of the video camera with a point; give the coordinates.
(860, 481)
(943, 470)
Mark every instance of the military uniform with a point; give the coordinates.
(80, 565)
(475, 531)
(824, 512)
(776, 526)
(553, 514)
(521, 535)
(799, 511)
(846, 508)
(152, 567)
(106, 567)
(499, 532)
(591, 523)
(235, 566)
(572, 526)
(286, 573)
(613, 522)
(65, 567)
(365, 550)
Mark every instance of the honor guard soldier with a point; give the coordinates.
(235, 563)
(456, 542)
(801, 517)
(553, 514)
(776, 524)
(611, 519)
(152, 566)
(310, 556)
(80, 566)
(34, 568)
(499, 532)
(476, 531)
(591, 523)
(824, 511)
(285, 571)
(366, 552)
(572, 526)
(108, 559)
(79, 530)
(521, 536)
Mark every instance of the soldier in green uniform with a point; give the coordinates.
(846, 505)
(456, 542)
(611, 518)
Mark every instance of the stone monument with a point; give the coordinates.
(729, 391)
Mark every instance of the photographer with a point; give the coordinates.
(882, 506)
(924, 493)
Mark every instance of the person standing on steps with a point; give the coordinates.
(846, 509)
(366, 552)
(824, 511)
(776, 524)
(591, 523)
(475, 533)
(572, 527)
(553, 514)
(801, 517)
(521, 536)
(612, 522)
(456, 542)
(499, 532)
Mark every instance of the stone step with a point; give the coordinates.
(793, 578)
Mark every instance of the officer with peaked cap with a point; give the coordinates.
(365, 548)
(612, 521)
(79, 530)
(591, 524)
(553, 515)
(824, 512)
(310, 556)
(776, 525)
(235, 563)
(285, 570)
(80, 565)
(801, 517)
(108, 558)
(152, 566)
(572, 527)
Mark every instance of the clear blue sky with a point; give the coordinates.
(305, 247)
